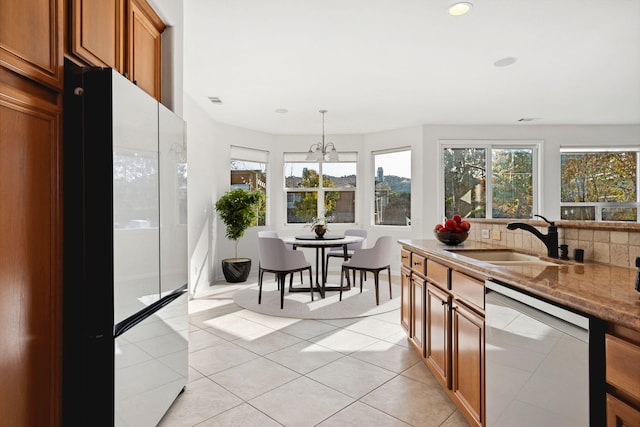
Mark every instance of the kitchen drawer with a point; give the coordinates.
(468, 289)
(621, 414)
(623, 365)
(405, 257)
(419, 264)
(438, 274)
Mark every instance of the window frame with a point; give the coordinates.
(253, 155)
(599, 206)
(296, 157)
(488, 145)
(372, 205)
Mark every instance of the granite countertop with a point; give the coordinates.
(603, 291)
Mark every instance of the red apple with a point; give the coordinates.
(450, 224)
(457, 218)
(465, 225)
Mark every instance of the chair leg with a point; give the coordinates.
(361, 273)
(310, 282)
(376, 276)
(260, 274)
(342, 274)
(282, 277)
(326, 269)
(389, 271)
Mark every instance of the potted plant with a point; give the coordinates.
(319, 225)
(238, 210)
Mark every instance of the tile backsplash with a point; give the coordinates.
(617, 244)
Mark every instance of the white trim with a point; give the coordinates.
(237, 152)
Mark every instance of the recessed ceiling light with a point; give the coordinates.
(282, 110)
(504, 62)
(459, 8)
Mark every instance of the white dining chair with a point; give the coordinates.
(374, 260)
(351, 247)
(268, 233)
(274, 235)
(276, 258)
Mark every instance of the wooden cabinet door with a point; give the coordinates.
(619, 414)
(623, 365)
(144, 47)
(467, 354)
(438, 333)
(31, 39)
(405, 299)
(418, 289)
(30, 260)
(97, 32)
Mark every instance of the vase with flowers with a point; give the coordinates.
(319, 226)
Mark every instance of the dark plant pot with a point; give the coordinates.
(236, 269)
(320, 230)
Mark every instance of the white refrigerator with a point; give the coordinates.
(125, 326)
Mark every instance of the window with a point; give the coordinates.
(249, 171)
(489, 180)
(308, 196)
(599, 185)
(392, 191)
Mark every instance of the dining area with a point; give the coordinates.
(283, 257)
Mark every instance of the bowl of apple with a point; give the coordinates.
(453, 231)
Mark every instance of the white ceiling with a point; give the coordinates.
(386, 64)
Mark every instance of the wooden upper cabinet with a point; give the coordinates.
(31, 39)
(144, 47)
(97, 32)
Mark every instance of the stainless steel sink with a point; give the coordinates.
(501, 257)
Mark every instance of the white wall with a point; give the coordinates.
(208, 155)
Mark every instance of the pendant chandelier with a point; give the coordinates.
(320, 152)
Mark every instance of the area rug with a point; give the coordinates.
(299, 305)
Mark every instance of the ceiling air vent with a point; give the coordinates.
(215, 100)
(528, 119)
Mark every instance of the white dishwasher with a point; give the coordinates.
(537, 361)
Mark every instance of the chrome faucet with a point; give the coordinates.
(550, 239)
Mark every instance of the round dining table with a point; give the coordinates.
(320, 244)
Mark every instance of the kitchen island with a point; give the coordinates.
(443, 314)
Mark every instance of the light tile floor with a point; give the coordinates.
(249, 369)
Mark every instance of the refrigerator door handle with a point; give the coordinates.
(128, 323)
